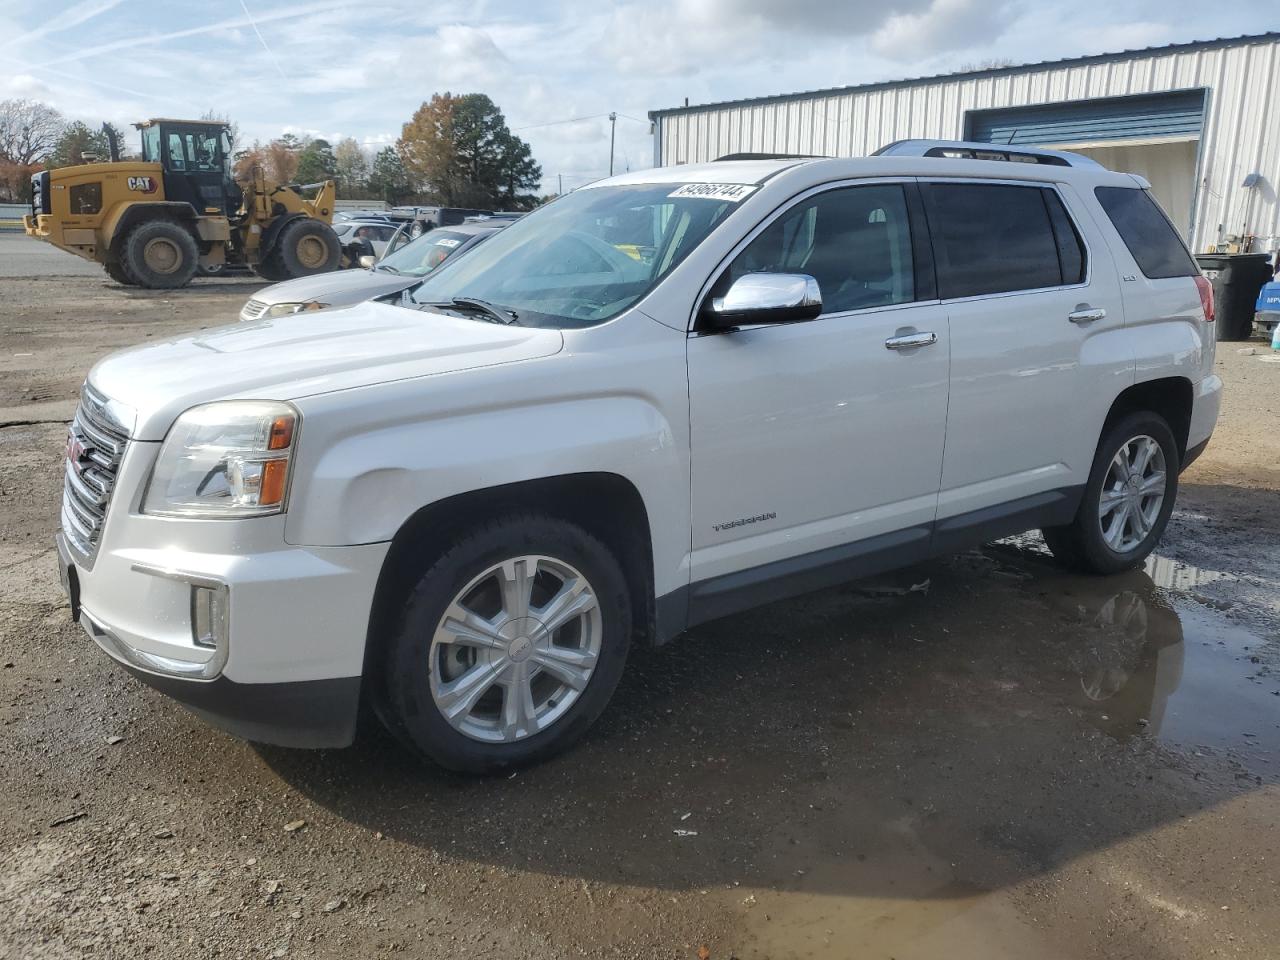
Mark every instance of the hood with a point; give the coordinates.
(339, 288)
(297, 356)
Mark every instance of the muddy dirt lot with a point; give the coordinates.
(976, 758)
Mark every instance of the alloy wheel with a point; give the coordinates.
(1132, 493)
(515, 649)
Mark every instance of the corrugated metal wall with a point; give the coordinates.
(1242, 111)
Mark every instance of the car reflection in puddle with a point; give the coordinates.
(1159, 664)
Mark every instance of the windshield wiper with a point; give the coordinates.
(384, 267)
(499, 314)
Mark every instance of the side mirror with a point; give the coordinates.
(759, 298)
(368, 261)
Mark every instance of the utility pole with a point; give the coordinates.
(560, 180)
(613, 126)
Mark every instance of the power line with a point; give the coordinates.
(552, 123)
(594, 116)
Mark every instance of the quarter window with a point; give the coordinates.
(1147, 232)
(855, 241)
(993, 238)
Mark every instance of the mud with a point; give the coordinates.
(1012, 763)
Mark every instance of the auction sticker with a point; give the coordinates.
(733, 192)
(447, 242)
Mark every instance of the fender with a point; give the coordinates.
(369, 458)
(269, 235)
(122, 219)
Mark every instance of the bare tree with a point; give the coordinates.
(28, 131)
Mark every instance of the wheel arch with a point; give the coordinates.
(271, 234)
(1170, 397)
(607, 505)
(133, 214)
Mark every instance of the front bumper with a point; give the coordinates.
(286, 663)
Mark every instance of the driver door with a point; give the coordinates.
(817, 446)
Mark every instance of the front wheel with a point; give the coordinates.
(1127, 500)
(509, 647)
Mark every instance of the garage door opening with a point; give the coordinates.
(1156, 136)
(1169, 166)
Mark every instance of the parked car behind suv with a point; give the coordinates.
(658, 400)
(405, 263)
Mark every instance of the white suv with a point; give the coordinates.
(663, 398)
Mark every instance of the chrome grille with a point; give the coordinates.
(96, 443)
(253, 310)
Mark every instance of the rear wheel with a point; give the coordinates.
(1127, 501)
(509, 647)
(160, 255)
(306, 247)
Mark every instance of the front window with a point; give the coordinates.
(588, 256)
(421, 256)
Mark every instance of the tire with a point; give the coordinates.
(270, 269)
(118, 273)
(160, 255)
(306, 247)
(424, 670)
(213, 270)
(1122, 537)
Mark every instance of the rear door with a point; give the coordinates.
(1029, 291)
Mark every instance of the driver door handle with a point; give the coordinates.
(1086, 314)
(902, 341)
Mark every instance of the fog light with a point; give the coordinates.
(209, 616)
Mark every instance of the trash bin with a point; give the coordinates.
(1237, 278)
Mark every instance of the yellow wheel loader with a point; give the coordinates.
(155, 222)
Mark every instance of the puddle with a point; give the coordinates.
(1160, 660)
(1182, 675)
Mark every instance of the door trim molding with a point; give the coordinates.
(716, 597)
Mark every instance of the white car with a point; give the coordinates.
(405, 262)
(658, 400)
(378, 233)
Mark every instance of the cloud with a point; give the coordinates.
(945, 26)
(72, 17)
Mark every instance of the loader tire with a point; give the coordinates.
(160, 255)
(307, 247)
(270, 269)
(120, 275)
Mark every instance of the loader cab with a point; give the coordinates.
(196, 158)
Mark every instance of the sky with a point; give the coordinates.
(360, 69)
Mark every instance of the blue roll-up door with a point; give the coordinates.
(1152, 116)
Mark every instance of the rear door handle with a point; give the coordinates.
(902, 341)
(1086, 314)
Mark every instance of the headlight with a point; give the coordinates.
(226, 459)
(285, 309)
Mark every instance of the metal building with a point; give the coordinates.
(1201, 121)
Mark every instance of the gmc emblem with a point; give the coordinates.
(77, 453)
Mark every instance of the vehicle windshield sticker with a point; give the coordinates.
(447, 242)
(733, 192)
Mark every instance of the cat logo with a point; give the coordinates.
(142, 184)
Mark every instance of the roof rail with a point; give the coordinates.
(769, 156)
(969, 150)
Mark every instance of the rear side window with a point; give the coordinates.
(1147, 232)
(992, 238)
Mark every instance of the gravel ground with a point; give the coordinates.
(1003, 762)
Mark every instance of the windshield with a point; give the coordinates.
(587, 256)
(419, 257)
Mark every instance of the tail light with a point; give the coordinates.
(1206, 297)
